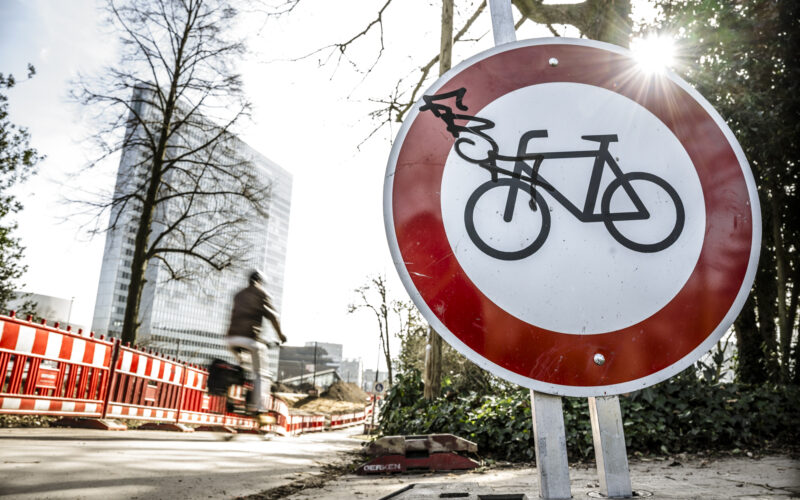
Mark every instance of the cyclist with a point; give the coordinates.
(250, 307)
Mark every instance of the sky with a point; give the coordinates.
(311, 119)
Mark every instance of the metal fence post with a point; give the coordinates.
(112, 371)
(181, 392)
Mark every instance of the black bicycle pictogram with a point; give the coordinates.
(476, 146)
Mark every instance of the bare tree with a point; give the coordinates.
(373, 297)
(604, 20)
(184, 191)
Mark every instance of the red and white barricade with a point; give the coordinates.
(197, 407)
(146, 386)
(315, 423)
(48, 371)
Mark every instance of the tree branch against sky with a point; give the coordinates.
(17, 162)
(170, 106)
(374, 298)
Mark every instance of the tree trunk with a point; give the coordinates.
(784, 329)
(433, 365)
(750, 367)
(130, 326)
(385, 335)
(433, 357)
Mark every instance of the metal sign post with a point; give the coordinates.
(574, 225)
(609, 447)
(550, 439)
(551, 445)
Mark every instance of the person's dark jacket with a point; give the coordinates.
(250, 306)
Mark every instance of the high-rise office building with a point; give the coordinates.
(188, 318)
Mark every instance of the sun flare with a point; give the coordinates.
(654, 54)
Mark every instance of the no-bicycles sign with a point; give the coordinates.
(570, 222)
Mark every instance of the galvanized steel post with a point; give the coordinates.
(609, 447)
(550, 439)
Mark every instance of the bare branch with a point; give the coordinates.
(342, 47)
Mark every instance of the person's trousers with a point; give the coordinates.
(257, 352)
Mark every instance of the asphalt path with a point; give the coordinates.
(57, 463)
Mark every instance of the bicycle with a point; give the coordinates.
(527, 177)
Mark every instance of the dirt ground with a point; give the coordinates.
(681, 477)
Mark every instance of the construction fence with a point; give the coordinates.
(45, 370)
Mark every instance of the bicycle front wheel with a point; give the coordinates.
(662, 198)
(495, 228)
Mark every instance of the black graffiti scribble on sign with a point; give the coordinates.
(476, 146)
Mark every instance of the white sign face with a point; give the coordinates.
(580, 280)
(569, 222)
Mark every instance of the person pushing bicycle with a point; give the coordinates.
(250, 307)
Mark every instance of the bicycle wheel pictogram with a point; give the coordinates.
(672, 199)
(487, 242)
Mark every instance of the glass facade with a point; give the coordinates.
(188, 317)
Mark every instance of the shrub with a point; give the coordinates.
(684, 414)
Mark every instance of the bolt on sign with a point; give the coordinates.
(570, 222)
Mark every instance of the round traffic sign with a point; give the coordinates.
(569, 221)
(378, 387)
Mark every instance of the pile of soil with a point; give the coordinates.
(314, 404)
(346, 391)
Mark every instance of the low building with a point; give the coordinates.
(351, 370)
(53, 309)
(322, 379)
(296, 361)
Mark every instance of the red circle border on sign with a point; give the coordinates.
(559, 360)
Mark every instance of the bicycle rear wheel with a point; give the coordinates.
(610, 220)
(537, 240)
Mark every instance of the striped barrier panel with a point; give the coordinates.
(196, 406)
(145, 386)
(347, 419)
(340, 420)
(316, 423)
(48, 371)
(294, 424)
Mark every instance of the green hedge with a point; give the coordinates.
(683, 414)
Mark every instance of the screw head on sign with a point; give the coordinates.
(553, 62)
(599, 359)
